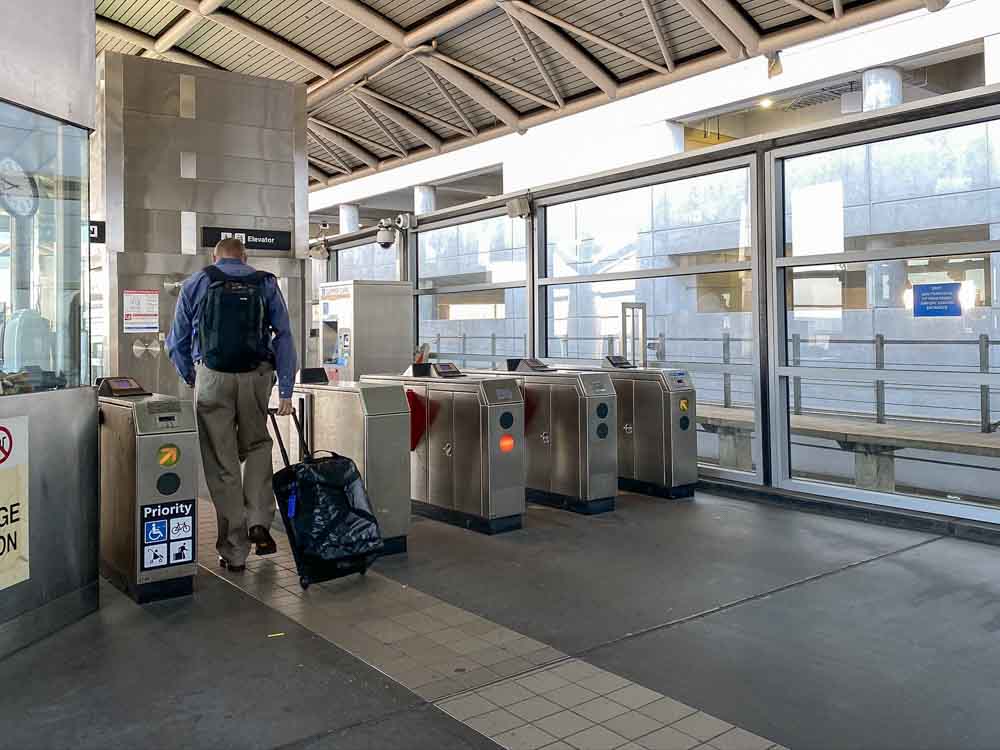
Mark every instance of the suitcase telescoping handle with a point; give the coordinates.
(306, 453)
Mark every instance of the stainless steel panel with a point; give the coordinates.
(538, 435)
(683, 443)
(376, 400)
(157, 89)
(600, 479)
(467, 456)
(650, 437)
(626, 427)
(440, 449)
(64, 509)
(156, 231)
(567, 451)
(49, 67)
(178, 194)
(163, 163)
(233, 102)
(154, 132)
(118, 465)
(387, 474)
(505, 477)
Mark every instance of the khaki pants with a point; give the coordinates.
(232, 429)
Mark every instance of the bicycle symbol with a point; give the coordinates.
(181, 527)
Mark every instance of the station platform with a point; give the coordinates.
(719, 624)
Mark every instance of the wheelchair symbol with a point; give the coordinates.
(156, 531)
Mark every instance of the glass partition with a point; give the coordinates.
(475, 329)
(487, 251)
(886, 367)
(368, 262)
(44, 241)
(680, 224)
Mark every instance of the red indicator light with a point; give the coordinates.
(506, 443)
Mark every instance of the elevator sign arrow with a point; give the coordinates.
(168, 455)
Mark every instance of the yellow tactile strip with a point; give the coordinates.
(522, 693)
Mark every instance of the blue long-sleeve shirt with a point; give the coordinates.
(182, 341)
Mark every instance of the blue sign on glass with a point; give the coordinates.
(937, 300)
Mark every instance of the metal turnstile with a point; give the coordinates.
(657, 438)
(571, 443)
(370, 423)
(466, 446)
(149, 490)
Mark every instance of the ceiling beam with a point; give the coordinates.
(838, 8)
(371, 20)
(589, 36)
(137, 38)
(536, 58)
(349, 145)
(718, 30)
(316, 173)
(318, 139)
(417, 112)
(474, 90)
(442, 88)
(361, 139)
(401, 118)
(489, 78)
(737, 23)
(805, 7)
(213, 11)
(661, 40)
(386, 131)
(568, 48)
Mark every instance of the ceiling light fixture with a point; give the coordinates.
(766, 103)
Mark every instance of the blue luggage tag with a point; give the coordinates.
(291, 502)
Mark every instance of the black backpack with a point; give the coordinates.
(234, 333)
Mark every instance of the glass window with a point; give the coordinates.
(703, 323)
(925, 189)
(43, 252)
(914, 314)
(680, 224)
(370, 262)
(475, 329)
(490, 251)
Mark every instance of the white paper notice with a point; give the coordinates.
(141, 311)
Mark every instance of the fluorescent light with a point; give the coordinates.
(766, 103)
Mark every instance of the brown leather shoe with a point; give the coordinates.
(226, 565)
(263, 541)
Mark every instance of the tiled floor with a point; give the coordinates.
(516, 690)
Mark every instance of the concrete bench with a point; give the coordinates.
(874, 445)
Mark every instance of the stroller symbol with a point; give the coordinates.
(157, 557)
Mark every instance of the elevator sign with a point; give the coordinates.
(937, 300)
(13, 501)
(252, 239)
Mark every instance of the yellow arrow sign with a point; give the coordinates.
(169, 455)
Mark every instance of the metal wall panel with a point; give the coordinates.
(63, 515)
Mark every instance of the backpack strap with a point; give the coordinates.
(257, 278)
(215, 275)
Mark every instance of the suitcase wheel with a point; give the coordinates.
(304, 582)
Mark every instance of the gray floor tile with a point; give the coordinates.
(534, 709)
(703, 726)
(563, 724)
(437, 689)
(603, 683)
(512, 667)
(466, 706)
(667, 710)
(524, 738)
(571, 695)
(415, 678)
(600, 710)
(495, 722)
(633, 725)
(740, 739)
(667, 739)
(546, 655)
(542, 682)
(506, 693)
(468, 646)
(634, 696)
(490, 656)
(418, 622)
(596, 738)
(576, 670)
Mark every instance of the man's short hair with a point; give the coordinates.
(230, 248)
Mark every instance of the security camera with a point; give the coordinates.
(324, 225)
(386, 234)
(406, 221)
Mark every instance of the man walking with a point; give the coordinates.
(230, 333)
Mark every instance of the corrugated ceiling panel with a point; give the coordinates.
(147, 16)
(235, 52)
(408, 13)
(106, 42)
(770, 14)
(312, 25)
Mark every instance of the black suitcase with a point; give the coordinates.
(329, 521)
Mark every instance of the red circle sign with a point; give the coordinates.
(6, 444)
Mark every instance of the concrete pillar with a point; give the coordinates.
(882, 88)
(424, 199)
(350, 217)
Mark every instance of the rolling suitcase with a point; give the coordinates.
(328, 518)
